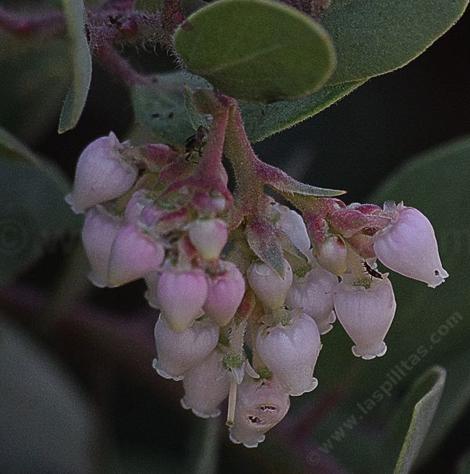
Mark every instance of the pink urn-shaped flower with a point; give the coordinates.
(177, 352)
(268, 285)
(181, 296)
(206, 386)
(261, 404)
(408, 246)
(101, 175)
(225, 293)
(133, 255)
(313, 294)
(366, 313)
(98, 234)
(290, 352)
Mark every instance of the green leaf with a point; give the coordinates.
(42, 411)
(34, 80)
(33, 212)
(165, 109)
(421, 405)
(263, 120)
(256, 49)
(375, 37)
(75, 100)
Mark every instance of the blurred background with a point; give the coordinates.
(77, 390)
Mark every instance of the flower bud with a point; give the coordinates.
(332, 255)
(366, 314)
(181, 296)
(268, 286)
(408, 246)
(290, 352)
(98, 234)
(101, 175)
(225, 294)
(177, 352)
(209, 236)
(137, 203)
(261, 404)
(292, 224)
(313, 294)
(206, 386)
(133, 255)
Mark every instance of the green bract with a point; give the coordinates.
(256, 49)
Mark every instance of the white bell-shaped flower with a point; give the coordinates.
(133, 255)
(292, 224)
(177, 352)
(225, 294)
(313, 294)
(208, 236)
(366, 313)
(268, 285)
(290, 352)
(181, 296)
(261, 404)
(98, 234)
(101, 175)
(206, 386)
(408, 246)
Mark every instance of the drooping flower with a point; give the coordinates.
(102, 174)
(313, 293)
(177, 352)
(268, 285)
(290, 351)
(181, 296)
(133, 255)
(206, 386)
(209, 237)
(225, 293)
(261, 404)
(408, 246)
(366, 313)
(98, 234)
(332, 255)
(292, 224)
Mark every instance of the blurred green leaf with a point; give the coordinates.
(75, 100)
(46, 423)
(455, 400)
(373, 38)
(256, 49)
(34, 76)
(415, 416)
(165, 110)
(33, 212)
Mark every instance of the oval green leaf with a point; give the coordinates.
(373, 38)
(256, 49)
(75, 100)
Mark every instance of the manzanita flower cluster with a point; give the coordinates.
(245, 288)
